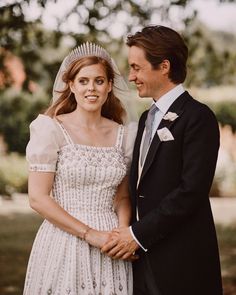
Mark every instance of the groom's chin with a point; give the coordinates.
(141, 94)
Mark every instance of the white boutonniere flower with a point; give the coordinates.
(165, 134)
(170, 116)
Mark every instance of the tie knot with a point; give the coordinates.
(153, 109)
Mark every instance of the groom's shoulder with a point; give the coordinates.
(195, 107)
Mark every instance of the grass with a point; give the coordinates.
(227, 245)
(18, 231)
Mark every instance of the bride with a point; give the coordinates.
(79, 155)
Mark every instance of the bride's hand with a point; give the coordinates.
(97, 238)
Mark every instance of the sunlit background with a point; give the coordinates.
(35, 35)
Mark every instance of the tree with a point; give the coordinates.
(42, 50)
(210, 63)
(17, 110)
(96, 21)
(32, 42)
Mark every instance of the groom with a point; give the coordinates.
(173, 166)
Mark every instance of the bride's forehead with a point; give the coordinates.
(92, 70)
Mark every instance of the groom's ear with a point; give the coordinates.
(165, 66)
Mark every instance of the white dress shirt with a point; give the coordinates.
(163, 104)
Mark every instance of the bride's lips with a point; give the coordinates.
(91, 98)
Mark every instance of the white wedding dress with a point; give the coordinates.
(86, 179)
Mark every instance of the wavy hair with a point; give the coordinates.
(66, 103)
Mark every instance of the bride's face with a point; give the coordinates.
(91, 87)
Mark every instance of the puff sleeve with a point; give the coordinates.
(42, 149)
(128, 142)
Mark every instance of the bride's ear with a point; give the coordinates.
(110, 86)
(71, 85)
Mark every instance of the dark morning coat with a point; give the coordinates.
(176, 223)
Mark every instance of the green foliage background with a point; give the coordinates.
(42, 50)
(212, 58)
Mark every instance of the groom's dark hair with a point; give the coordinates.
(160, 43)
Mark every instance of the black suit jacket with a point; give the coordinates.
(175, 219)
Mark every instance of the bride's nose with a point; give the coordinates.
(91, 86)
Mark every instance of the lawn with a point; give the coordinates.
(227, 244)
(17, 233)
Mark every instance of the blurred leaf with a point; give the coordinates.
(17, 110)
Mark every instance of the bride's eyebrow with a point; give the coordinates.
(86, 77)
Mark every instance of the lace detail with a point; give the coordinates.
(85, 185)
(42, 167)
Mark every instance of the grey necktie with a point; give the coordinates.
(148, 134)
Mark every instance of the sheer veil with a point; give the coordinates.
(120, 88)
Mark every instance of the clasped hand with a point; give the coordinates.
(121, 245)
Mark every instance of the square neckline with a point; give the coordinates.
(118, 142)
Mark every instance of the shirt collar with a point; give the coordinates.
(166, 100)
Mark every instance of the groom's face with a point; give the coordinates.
(149, 81)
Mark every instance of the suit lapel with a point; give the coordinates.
(134, 171)
(176, 107)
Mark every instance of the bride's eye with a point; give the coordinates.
(99, 81)
(83, 81)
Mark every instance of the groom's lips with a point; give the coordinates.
(139, 84)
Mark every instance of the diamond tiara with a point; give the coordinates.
(87, 49)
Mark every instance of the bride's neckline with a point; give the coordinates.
(71, 141)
